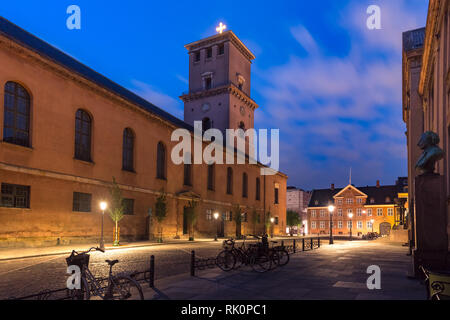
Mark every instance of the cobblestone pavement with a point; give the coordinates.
(331, 273)
(32, 275)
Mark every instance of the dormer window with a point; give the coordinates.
(388, 200)
(372, 200)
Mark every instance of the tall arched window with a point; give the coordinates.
(128, 150)
(258, 189)
(187, 169)
(244, 185)
(211, 172)
(161, 162)
(16, 128)
(229, 181)
(83, 136)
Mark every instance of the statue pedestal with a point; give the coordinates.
(431, 224)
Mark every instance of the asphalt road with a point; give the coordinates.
(32, 275)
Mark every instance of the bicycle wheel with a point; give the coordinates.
(261, 262)
(83, 294)
(274, 259)
(226, 260)
(283, 256)
(125, 288)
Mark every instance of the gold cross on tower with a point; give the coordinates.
(221, 27)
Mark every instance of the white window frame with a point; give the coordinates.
(378, 212)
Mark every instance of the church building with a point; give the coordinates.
(66, 131)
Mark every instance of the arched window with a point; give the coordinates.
(128, 150)
(207, 124)
(211, 171)
(258, 189)
(244, 185)
(16, 128)
(229, 181)
(83, 135)
(161, 162)
(188, 169)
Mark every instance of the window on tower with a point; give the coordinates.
(197, 56)
(208, 83)
(221, 49)
(208, 53)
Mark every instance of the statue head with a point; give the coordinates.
(428, 139)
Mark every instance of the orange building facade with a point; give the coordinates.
(355, 208)
(66, 131)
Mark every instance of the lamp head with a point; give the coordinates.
(331, 208)
(103, 205)
(350, 215)
(216, 215)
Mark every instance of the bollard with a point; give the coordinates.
(282, 243)
(318, 242)
(303, 244)
(193, 263)
(312, 243)
(295, 245)
(152, 272)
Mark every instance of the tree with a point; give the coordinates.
(160, 213)
(116, 212)
(268, 223)
(256, 220)
(191, 216)
(292, 219)
(237, 216)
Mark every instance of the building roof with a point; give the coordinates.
(26, 39)
(413, 39)
(324, 197)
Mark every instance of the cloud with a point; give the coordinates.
(158, 98)
(342, 111)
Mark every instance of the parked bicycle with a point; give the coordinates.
(119, 287)
(233, 257)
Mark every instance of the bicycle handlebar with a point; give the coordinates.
(90, 250)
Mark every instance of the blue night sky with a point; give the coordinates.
(330, 85)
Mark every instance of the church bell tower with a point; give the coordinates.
(219, 83)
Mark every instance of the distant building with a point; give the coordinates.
(298, 200)
(379, 203)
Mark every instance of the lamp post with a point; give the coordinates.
(272, 221)
(350, 215)
(372, 222)
(331, 210)
(216, 217)
(103, 206)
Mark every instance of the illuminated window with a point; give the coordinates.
(369, 212)
(360, 224)
(380, 212)
(390, 212)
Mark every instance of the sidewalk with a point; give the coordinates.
(331, 273)
(22, 253)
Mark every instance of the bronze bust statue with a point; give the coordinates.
(431, 152)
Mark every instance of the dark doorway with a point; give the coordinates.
(185, 222)
(221, 228)
(385, 229)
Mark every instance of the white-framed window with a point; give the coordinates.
(313, 213)
(313, 225)
(349, 211)
(339, 201)
(322, 224)
(340, 212)
(322, 213)
(209, 214)
(349, 224)
(390, 212)
(349, 200)
(359, 212)
(359, 201)
(380, 212)
(369, 212)
(360, 224)
(340, 224)
(369, 225)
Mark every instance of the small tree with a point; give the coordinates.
(237, 216)
(116, 212)
(292, 219)
(191, 216)
(160, 213)
(268, 223)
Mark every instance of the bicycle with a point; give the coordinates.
(283, 256)
(119, 287)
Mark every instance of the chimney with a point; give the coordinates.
(378, 183)
(332, 186)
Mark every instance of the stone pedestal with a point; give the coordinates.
(430, 223)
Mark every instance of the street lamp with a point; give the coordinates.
(216, 217)
(103, 206)
(272, 220)
(350, 215)
(331, 209)
(372, 222)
